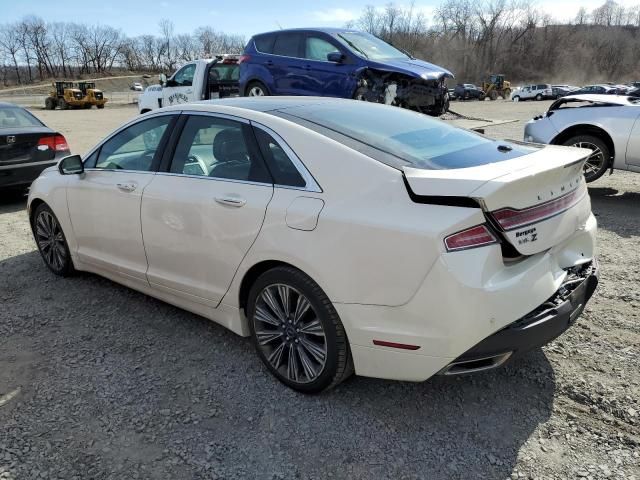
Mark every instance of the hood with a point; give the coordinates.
(414, 67)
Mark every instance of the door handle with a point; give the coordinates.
(231, 201)
(126, 187)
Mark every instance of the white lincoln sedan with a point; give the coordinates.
(342, 236)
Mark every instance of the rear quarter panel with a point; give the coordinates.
(372, 244)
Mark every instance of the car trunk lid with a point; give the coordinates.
(534, 201)
(20, 145)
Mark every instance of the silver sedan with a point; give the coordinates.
(606, 124)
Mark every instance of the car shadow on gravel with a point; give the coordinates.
(616, 212)
(119, 383)
(12, 201)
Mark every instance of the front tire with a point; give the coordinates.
(297, 332)
(600, 158)
(516, 98)
(257, 89)
(51, 242)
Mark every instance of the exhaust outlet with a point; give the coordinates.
(476, 365)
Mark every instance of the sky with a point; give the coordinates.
(246, 17)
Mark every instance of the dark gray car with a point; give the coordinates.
(27, 146)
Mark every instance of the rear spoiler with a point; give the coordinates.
(449, 201)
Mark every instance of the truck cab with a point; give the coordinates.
(203, 79)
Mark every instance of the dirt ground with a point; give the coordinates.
(100, 382)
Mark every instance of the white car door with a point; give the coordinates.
(179, 88)
(104, 202)
(201, 216)
(633, 146)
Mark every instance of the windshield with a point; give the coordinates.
(399, 137)
(369, 46)
(11, 117)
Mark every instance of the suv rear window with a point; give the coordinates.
(399, 137)
(287, 44)
(264, 43)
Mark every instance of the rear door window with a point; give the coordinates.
(282, 169)
(288, 44)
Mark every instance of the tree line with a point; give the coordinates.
(33, 50)
(476, 38)
(469, 37)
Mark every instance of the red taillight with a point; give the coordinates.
(244, 58)
(54, 142)
(511, 218)
(473, 237)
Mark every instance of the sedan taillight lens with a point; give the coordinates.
(473, 237)
(244, 58)
(511, 218)
(54, 142)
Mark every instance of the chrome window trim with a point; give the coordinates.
(119, 170)
(130, 123)
(310, 182)
(218, 179)
(225, 116)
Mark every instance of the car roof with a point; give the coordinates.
(268, 104)
(328, 30)
(7, 104)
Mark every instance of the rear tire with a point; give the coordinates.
(63, 104)
(598, 162)
(256, 89)
(100, 107)
(50, 104)
(538, 97)
(51, 241)
(297, 332)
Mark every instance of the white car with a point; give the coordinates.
(340, 235)
(532, 92)
(137, 86)
(608, 125)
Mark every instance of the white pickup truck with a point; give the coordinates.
(202, 79)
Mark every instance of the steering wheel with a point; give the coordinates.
(192, 158)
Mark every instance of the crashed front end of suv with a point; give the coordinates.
(410, 83)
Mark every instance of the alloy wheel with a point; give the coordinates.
(289, 333)
(595, 161)
(256, 92)
(50, 240)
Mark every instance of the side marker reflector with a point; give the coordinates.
(402, 346)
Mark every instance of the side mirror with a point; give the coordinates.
(71, 165)
(335, 57)
(163, 79)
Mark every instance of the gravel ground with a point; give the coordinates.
(100, 382)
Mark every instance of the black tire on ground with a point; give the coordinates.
(50, 103)
(516, 98)
(599, 161)
(539, 97)
(51, 241)
(63, 104)
(493, 95)
(298, 365)
(99, 106)
(481, 97)
(87, 106)
(256, 89)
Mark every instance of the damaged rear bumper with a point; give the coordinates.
(537, 328)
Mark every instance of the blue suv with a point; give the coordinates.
(342, 63)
